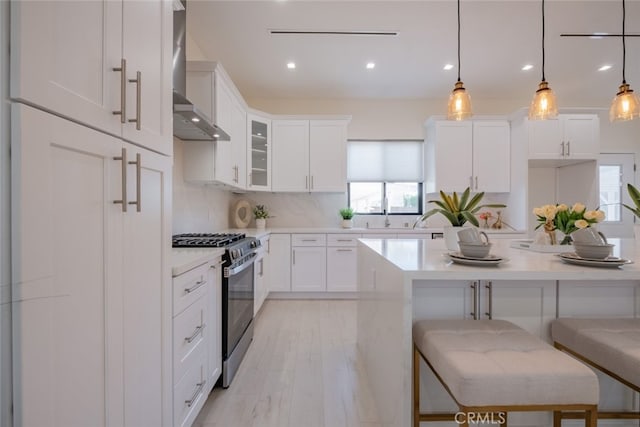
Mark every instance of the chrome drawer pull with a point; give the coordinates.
(194, 396)
(138, 82)
(195, 333)
(345, 250)
(123, 90)
(138, 163)
(198, 284)
(123, 201)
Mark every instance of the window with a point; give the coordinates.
(385, 176)
(611, 192)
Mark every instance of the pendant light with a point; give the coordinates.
(459, 101)
(544, 104)
(625, 104)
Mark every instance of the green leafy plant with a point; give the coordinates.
(634, 193)
(261, 212)
(458, 209)
(346, 213)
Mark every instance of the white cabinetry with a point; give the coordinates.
(87, 60)
(479, 150)
(91, 283)
(308, 263)
(342, 262)
(302, 151)
(279, 266)
(259, 153)
(570, 136)
(197, 352)
(261, 281)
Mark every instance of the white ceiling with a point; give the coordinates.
(498, 38)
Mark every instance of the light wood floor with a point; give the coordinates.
(301, 370)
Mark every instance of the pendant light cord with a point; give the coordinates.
(459, 40)
(543, 79)
(624, 47)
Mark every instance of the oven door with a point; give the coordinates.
(237, 298)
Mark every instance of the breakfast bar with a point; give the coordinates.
(402, 280)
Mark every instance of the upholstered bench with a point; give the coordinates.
(494, 367)
(609, 345)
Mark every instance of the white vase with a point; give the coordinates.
(261, 223)
(451, 237)
(347, 223)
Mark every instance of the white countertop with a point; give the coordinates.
(255, 232)
(185, 259)
(426, 259)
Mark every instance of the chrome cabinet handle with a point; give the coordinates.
(138, 82)
(474, 286)
(138, 164)
(195, 333)
(568, 148)
(198, 284)
(294, 257)
(311, 182)
(306, 182)
(489, 287)
(562, 144)
(195, 394)
(476, 182)
(261, 272)
(471, 181)
(345, 250)
(123, 201)
(123, 90)
(344, 240)
(309, 240)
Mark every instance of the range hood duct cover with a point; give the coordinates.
(189, 123)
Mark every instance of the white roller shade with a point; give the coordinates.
(384, 161)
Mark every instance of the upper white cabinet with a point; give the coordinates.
(468, 154)
(570, 136)
(225, 162)
(105, 64)
(309, 155)
(259, 153)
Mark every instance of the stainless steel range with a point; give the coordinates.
(237, 292)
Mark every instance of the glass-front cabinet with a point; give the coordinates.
(259, 155)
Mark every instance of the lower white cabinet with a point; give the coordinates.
(260, 279)
(279, 266)
(91, 283)
(342, 262)
(308, 263)
(197, 339)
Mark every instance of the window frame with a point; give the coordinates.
(384, 195)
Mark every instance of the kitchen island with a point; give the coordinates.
(401, 280)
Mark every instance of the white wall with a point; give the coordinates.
(5, 230)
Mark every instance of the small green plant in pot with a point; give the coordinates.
(261, 214)
(347, 217)
(458, 210)
(634, 194)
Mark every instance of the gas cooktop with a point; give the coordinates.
(205, 240)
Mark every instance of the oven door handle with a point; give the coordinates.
(228, 272)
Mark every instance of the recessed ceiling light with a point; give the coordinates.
(371, 65)
(448, 67)
(604, 68)
(291, 65)
(216, 135)
(527, 67)
(195, 119)
(598, 36)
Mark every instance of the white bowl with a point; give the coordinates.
(593, 251)
(475, 250)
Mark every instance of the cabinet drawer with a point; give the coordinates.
(190, 394)
(189, 336)
(308, 239)
(343, 239)
(188, 287)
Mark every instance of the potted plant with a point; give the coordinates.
(634, 193)
(565, 218)
(458, 210)
(347, 217)
(261, 214)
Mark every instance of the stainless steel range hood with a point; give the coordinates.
(189, 123)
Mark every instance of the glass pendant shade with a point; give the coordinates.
(544, 105)
(625, 105)
(459, 103)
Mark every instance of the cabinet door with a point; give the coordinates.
(454, 154)
(239, 145)
(290, 142)
(327, 146)
(492, 156)
(581, 133)
(529, 304)
(259, 153)
(62, 59)
(342, 269)
(279, 272)
(214, 323)
(545, 139)
(445, 300)
(147, 28)
(66, 288)
(147, 289)
(308, 269)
